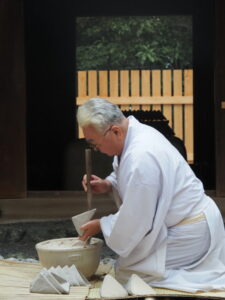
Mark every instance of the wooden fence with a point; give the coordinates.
(170, 91)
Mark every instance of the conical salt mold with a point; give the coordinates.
(137, 286)
(111, 288)
(43, 286)
(71, 275)
(57, 281)
(78, 277)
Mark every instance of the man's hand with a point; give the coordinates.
(98, 185)
(90, 228)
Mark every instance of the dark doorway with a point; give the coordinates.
(50, 64)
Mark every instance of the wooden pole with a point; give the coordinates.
(88, 172)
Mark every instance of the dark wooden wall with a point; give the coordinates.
(50, 65)
(204, 134)
(220, 96)
(50, 37)
(50, 88)
(12, 100)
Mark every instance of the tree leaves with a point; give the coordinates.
(134, 42)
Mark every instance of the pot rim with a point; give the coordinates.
(98, 244)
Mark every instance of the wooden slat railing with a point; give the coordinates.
(170, 91)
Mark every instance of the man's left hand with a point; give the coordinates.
(90, 228)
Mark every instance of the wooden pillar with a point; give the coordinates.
(12, 101)
(219, 81)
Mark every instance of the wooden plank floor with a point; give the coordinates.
(15, 278)
(58, 205)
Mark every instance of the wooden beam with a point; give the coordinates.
(53, 205)
(143, 100)
(62, 205)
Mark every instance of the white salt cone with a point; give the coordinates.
(137, 286)
(111, 288)
(66, 273)
(58, 282)
(42, 285)
(58, 270)
(78, 277)
(62, 285)
(71, 275)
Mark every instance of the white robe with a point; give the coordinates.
(158, 190)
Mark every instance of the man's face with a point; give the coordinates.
(107, 142)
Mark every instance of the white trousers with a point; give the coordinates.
(186, 244)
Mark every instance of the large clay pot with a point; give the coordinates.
(69, 251)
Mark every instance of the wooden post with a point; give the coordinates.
(12, 101)
(177, 91)
(135, 87)
(220, 97)
(167, 91)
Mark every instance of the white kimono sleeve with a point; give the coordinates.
(135, 219)
(112, 179)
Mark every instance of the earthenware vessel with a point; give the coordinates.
(69, 251)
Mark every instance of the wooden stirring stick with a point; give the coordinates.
(89, 193)
(88, 172)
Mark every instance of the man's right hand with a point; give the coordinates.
(98, 185)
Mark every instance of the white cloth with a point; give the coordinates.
(158, 190)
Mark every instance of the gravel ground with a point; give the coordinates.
(17, 240)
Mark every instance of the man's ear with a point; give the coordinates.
(117, 130)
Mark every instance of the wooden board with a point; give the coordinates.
(124, 87)
(157, 101)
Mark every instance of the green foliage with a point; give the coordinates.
(134, 42)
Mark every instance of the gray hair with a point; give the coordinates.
(99, 113)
